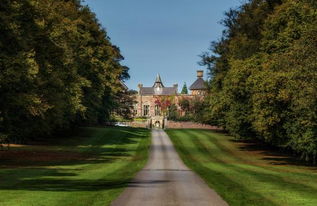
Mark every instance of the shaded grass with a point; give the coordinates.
(103, 161)
(242, 176)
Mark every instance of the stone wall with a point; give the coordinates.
(189, 125)
(142, 124)
(174, 125)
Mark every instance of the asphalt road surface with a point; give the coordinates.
(166, 181)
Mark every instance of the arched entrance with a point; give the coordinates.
(157, 124)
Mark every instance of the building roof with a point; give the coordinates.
(158, 88)
(160, 91)
(158, 82)
(158, 78)
(199, 84)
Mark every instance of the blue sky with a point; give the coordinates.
(162, 36)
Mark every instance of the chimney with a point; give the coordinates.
(200, 73)
(140, 86)
(176, 87)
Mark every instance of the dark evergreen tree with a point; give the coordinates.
(184, 89)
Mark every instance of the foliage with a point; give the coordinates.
(264, 74)
(124, 104)
(173, 113)
(198, 109)
(4, 141)
(185, 118)
(184, 104)
(164, 102)
(58, 68)
(190, 109)
(184, 89)
(140, 118)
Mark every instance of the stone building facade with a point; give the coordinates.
(148, 99)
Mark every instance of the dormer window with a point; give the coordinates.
(158, 90)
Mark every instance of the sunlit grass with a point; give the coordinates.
(245, 176)
(91, 168)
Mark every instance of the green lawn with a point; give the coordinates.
(243, 173)
(91, 168)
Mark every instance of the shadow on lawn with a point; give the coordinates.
(119, 135)
(29, 171)
(62, 185)
(90, 146)
(232, 191)
(67, 185)
(238, 190)
(273, 155)
(45, 179)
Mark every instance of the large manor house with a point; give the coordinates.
(147, 98)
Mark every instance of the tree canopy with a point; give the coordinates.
(58, 68)
(264, 74)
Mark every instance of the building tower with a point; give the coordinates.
(199, 86)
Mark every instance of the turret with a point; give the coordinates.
(140, 86)
(158, 82)
(199, 86)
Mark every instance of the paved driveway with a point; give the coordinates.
(166, 181)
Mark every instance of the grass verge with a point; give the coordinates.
(244, 173)
(91, 168)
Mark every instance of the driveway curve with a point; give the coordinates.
(166, 181)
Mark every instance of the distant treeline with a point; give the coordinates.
(58, 68)
(264, 74)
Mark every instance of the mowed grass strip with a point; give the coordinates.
(90, 168)
(244, 174)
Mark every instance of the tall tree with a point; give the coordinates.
(263, 72)
(58, 65)
(184, 89)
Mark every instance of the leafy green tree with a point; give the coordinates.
(173, 113)
(59, 68)
(263, 75)
(184, 104)
(125, 101)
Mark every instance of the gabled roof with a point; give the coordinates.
(158, 81)
(199, 84)
(158, 88)
(158, 78)
(163, 91)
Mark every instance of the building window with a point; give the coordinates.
(135, 110)
(146, 110)
(157, 110)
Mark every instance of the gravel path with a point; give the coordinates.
(166, 181)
